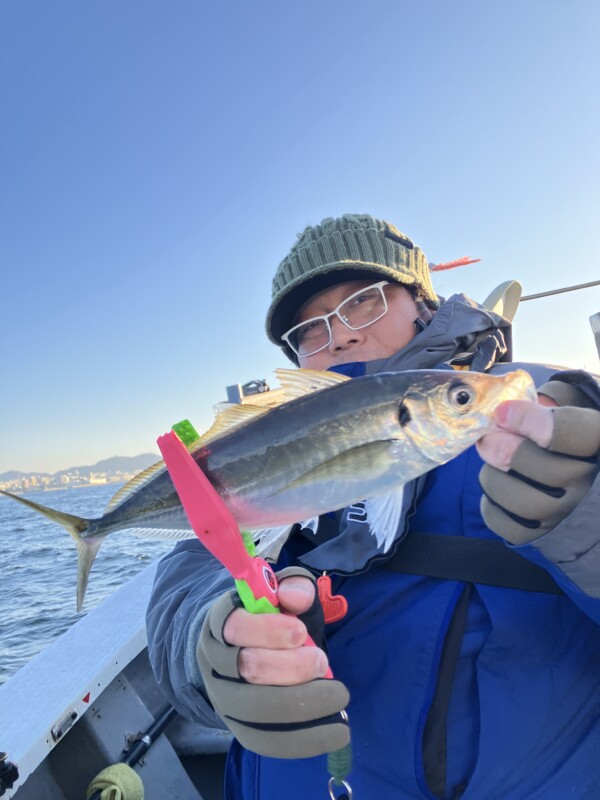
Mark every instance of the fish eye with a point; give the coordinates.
(461, 396)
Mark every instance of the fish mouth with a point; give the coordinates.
(519, 386)
(436, 426)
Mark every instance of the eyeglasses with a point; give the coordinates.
(361, 309)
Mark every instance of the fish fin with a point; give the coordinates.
(298, 382)
(295, 383)
(383, 516)
(269, 541)
(76, 526)
(163, 534)
(311, 524)
(351, 465)
(230, 417)
(134, 484)
(86, 553)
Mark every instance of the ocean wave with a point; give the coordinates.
(37, 602)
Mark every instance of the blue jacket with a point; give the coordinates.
(521, 721)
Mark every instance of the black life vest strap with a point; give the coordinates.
(459, 558)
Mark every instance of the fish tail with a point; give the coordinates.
(86, 548)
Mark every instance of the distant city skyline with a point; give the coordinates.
(158, 161)
(112, 470)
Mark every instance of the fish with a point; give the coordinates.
(328, 443)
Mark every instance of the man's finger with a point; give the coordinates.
(296, 594)
(282, 667)
(527, 419)
(271, 631)
(498, 449)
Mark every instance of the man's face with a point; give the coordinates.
(381, 339)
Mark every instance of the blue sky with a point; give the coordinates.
(157, 160)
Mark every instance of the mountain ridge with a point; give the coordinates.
(112, 464)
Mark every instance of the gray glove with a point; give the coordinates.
(278, 721)
(544, 485)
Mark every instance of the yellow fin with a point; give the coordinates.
(294, 382)
(87, 547)
(139, 480)
(228, 418)
(298, 382)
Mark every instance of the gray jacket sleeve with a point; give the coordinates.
(187, 581)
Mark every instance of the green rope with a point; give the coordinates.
(339, 764)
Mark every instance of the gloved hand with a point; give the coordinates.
(540, 466)
(283, 707)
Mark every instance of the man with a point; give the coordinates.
(471, 681)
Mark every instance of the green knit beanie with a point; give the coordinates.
(351, 247)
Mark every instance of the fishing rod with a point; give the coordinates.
(516, 299)
(140, 745)
(594, 319)
(143, 741)
(560, 291)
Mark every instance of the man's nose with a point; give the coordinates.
(342, 336)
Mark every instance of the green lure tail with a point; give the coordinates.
(76, 526)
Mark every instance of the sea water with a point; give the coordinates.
(38, 563)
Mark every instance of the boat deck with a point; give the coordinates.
(76, 707)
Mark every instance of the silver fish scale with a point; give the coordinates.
(357, 440)
(254, 467)
(296, 461)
